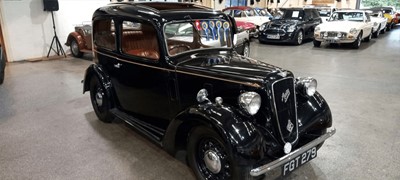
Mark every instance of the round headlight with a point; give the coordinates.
(291, 28)
(306, 86)
(353, 30)
(262, 27)
(317, 28)
(375, 24)
(250, 101)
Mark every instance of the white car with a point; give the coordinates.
(347, 26)
(379, 21)
(246, 14)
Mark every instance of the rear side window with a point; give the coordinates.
(104, 34)
(139, 39)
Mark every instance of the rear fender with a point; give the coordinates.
(79, 39)
(240, 135)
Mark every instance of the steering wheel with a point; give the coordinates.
(174, 49)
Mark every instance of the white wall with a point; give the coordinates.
(28, 30)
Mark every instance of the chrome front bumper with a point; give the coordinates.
(279, 162)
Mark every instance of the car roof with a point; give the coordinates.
(353, 10)
(237, 7)
(167, 10)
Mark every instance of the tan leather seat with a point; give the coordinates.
(151, 54)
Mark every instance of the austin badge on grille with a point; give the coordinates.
(289, 126)
(285, 96)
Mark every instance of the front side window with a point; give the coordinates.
(139, 39)
(185, 36)
(104, 34)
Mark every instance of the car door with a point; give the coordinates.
(309, 23)
(139, 78)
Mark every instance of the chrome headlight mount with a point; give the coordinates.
(306, 86)
(353, 31)
(250, 102)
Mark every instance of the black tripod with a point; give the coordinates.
(59, 50)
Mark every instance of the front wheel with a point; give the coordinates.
(299, 38)
(356, 44)
(316, 43)
(100, 102)
(208, 156)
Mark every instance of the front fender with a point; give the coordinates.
(97, 71)
(243, 139)
(313, 113)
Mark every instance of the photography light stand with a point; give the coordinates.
(59, 49)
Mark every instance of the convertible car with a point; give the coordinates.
(187, 89)
(80, 41)
(347, 26)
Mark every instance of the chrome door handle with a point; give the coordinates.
(118, 65)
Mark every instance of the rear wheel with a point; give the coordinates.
(383, 31)
(316, 43)
(209, 158)
(389, 27)
(100, 102)
(76, 52)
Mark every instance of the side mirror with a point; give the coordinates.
(270, 18)
(235, 39)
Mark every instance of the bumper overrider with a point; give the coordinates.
(279, 162)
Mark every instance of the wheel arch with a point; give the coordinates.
(237, 132)
(78, 38)
(95, 70)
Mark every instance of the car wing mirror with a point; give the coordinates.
(270, 18)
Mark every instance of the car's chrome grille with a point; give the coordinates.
(284, 98)
(275, 31)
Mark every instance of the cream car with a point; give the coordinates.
(347, 26)
(379, 22)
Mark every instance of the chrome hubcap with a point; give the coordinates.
(212, 161)
(300, 37)
(246, 51)
(74, 47)
(99, 98)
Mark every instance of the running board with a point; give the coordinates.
(154, 133)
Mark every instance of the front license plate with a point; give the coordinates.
(331, 41)
(298, 161)
(273, 36)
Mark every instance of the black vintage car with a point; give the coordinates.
(187, 89)
(295, 25)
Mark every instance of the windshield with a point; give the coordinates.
(264, 12)
(324, 11)
(292, 14)
(250, 12)
(197, 34)
(347, 16)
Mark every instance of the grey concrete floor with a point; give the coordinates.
(48, 129)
